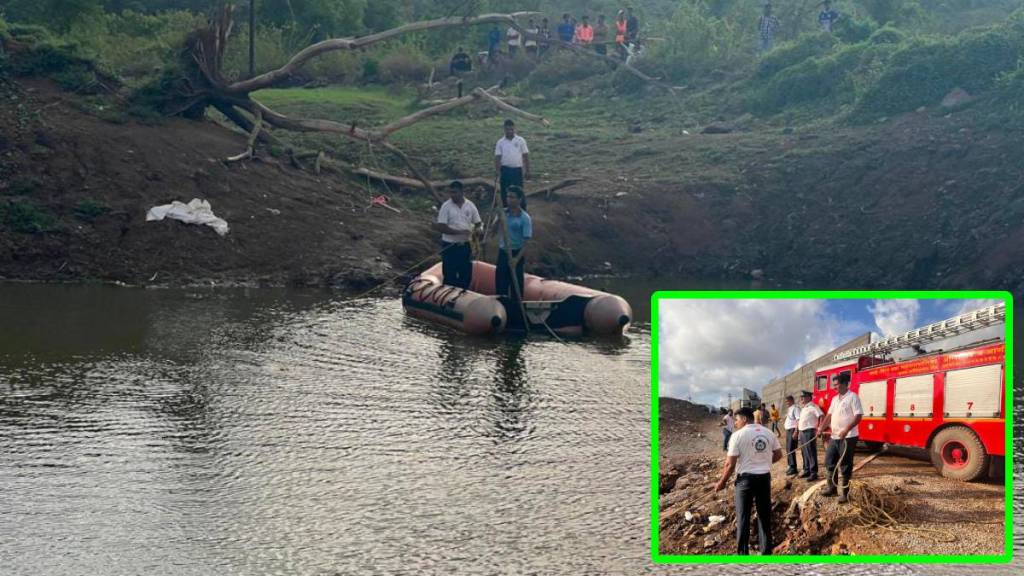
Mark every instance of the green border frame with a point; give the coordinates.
(1004, 558)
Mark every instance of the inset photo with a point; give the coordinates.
(831, 427)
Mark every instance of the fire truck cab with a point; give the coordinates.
(950, 402)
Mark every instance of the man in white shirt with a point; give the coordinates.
(457, 220)
(511, 161)
(844, 414)
(727, 427)
(514, 41)
(808, 424)
(752, 451)
(789, 427)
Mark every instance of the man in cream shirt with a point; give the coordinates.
(789, 427)
(844, 414)
(752, 451)
(808, 427)
(457, 220)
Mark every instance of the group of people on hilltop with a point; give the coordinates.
(768, 24)
(623, 33)
(537, 38)
(751, 449)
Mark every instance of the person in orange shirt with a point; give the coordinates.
(620, 33)
(585, 32)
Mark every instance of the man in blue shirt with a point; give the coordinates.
(566, 30)
(520, 229)
(828, 17)
(493, 41)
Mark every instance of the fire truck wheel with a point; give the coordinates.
(958, 454)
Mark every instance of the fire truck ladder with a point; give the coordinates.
(954, 326)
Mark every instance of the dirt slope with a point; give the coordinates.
(921, 201)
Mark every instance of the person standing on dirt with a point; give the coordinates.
(601, 36)
(530, 42)
(759, 414)
(545, 35)
(727, 427)
(828, 17)
(457, 220)
(514, 39)
(585, 32)
(566, 30)
(767, 24)
(773, 417)
(844, 414)
(493, 41)
(807, 426)
(632, 26)
(620, 34)
(511, 161)
(789, 428)
(460, 62)
(520, 229)
(752, 451)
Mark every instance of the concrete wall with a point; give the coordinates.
(803, 378)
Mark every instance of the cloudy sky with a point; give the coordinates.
(710, 348)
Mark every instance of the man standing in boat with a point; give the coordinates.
(457, 220)
(520, 229)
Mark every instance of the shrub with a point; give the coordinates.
(404, 66)
(852, 30)
(560, 66)
(888, 35)
(371, 68)
(624, 82)
(793, 53)
(924, 71)
(698, 41)
(26, 217)
(89, 210)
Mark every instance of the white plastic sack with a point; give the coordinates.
(195, 212)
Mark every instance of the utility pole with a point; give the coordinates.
(252, 38)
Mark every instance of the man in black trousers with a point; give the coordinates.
(511, 161)
(752, 451)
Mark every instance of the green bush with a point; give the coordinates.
(371, 68)
(924, 71)
(698, 42)
(793, 53)
(404, 66)
(26, 217)
(852, 30)
(89, 210)
(130, 44)
(564, 66)
(888, 35)
(274, 48)
(624, 82)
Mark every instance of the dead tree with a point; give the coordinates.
(204, 53)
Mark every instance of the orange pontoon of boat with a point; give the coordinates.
(566, 309)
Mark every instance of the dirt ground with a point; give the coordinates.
(940, 516)
(835, 207)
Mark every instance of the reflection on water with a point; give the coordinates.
(264, 431)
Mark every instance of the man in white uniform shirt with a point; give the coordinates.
(789, 427)
(752, 451)
(511, 161)
(844, 414)
(457, 220)
(808, 426)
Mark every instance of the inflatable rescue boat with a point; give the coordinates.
(566, 309)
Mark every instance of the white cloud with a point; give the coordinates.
(895, 316)
(710, 348)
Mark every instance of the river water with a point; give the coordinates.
(264, 431)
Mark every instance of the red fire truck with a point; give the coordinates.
(951, 402)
